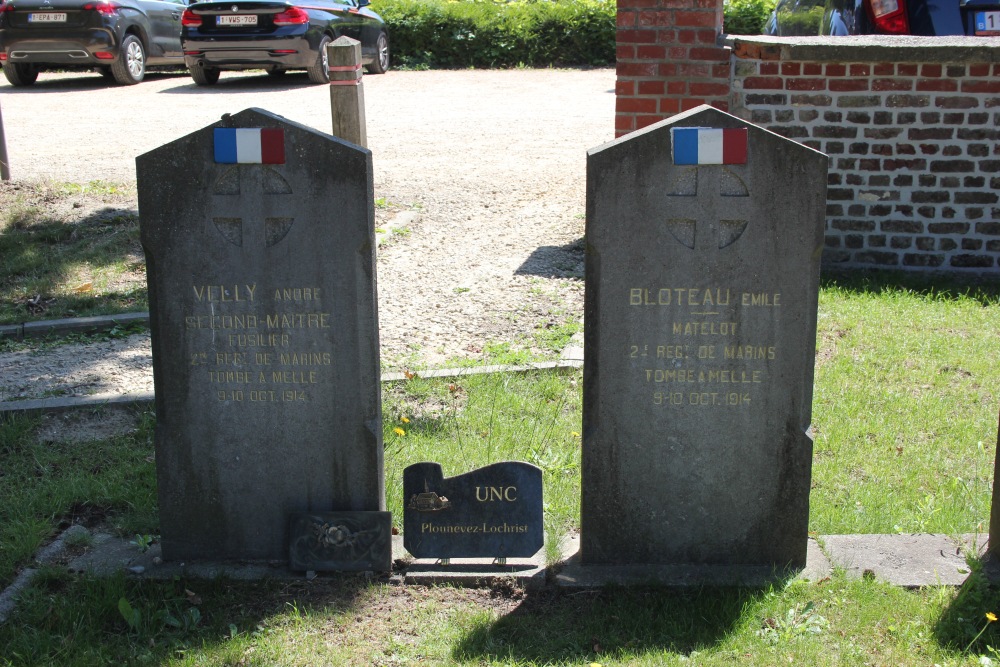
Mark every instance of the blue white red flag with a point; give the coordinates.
(255, 145)
(706, 145)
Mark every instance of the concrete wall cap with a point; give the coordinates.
(875, 48)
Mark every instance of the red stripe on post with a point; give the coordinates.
(734, 146)
(272, 145)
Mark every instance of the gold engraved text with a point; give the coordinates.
(749, 352)
(297, 294)
(298, 321)
(678, 296)
(704, 328)
(486, 494)
(223, 293)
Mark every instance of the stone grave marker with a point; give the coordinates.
(259, 241)
(491, 512)
(341, 542)
(704, 236)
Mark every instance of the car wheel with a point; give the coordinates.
(130, 66)
(20, 74)
(275, 72)
(381, 62)
(204, 76)
(320, 71)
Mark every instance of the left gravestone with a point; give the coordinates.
(259, 242)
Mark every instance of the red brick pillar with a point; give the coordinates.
(669, 60)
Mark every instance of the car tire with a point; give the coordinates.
(129, 67)
(20, 74)
(275, 72)
(320, 70)
(204, 76)
(381, 63)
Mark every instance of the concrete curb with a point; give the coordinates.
(78, 325)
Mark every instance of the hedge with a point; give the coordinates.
(478, 33)
(535, 33)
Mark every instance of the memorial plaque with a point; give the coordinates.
(704, 236)
(341, 542)
(259, 241)
(492, 512)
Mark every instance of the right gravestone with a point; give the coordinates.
(704, 236)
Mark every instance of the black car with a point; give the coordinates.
(118, 38)
(278, 36)
(889, 17)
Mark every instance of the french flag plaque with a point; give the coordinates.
(708, 145)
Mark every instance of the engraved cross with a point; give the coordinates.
(707, 210)
(249, 206)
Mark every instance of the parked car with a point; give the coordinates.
(278, 36)
(118, 38)
(890, 17)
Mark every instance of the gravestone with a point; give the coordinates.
(259, 242)
(704, 236)
(491, 512)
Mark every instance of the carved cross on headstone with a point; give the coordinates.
(707, 219)
(255, 193)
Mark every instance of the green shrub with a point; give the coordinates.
(483, 33)
(801, 23)
(746, 17)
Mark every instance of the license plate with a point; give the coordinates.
(988, 23)
(47, 17)
(236, 19)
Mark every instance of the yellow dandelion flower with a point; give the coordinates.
(405, 420)
(398, 431)
(991, 617)
(575, 434)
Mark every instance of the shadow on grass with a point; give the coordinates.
(961, 621)
(39, 253)
(984, 289)
(556, 626)
(68, 620)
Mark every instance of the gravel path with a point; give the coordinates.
(493, 162)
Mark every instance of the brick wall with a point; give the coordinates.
(669, 60)
(913, 136)
(911, 125)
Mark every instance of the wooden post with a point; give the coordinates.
(347, 93)
(4, 164)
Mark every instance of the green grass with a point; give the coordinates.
(44, 485)
(905, 407)
(55, 265)
(66, 620)
(905, 412)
